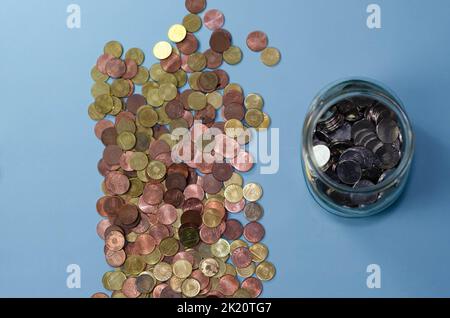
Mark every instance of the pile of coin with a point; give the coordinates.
(172, 169)
(358, 143)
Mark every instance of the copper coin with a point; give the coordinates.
(184, 96)
(112, 155)
(99, 295)
(103, 168)
(114, 228)
(176, 181)
(194, 191)
(222, 171)
(153, 194)
(210, 235)
(206, 115)
(145, 244)
(158, 147)
(132, 69)
(115, 241)
(169, 293)
(109, 136)
(192, 217)
(214, 19)
(186, 256)
(158, 289)
(159, 232)
(115, 258)
(125, 161)
(184, 64)
(189, 118)
(171, 64)
(253, 211)
(188, 46)
(167, 214)
(226, 146)
(109, 205)
(234, 111)
(233, 230)
(128, 214)
(235, 207)
(175, 109)
(145, 207)
(214, 59)
(241, 257)
(117, 183)
(228, 285)
(254, 232)
(103, 61)
(195, 6)
(101, 228)
(115, 68)
(220, 41)
(174, 197)
(211, 185)
(257, 41)
(180, 168)
(243, 162)
(201, 278)
(253, 285)
(233, 97)
(129, 288)
(101, 126)
(193, 204)
(143, 226)
(224, 78)
(134, 102)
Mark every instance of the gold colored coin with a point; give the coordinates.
(156, 170)
(234, 128)
(254, 101)
(104, 104)
(138, 161)
(116, 280)
(156, 72)
(136, 190)
(162, 50)
(234, 193)
(177, 33)
(136, 55)
(192, 23)
(134, 265)
(197, 62)
(120, 87)
(147, 117)
(209, 267)
(114, 48)
(168, 92)
(236, 244)
(246, 271)
(117, 106)
(197, 101)
(270, 56)
(126, 125)
(175, 283)
(169, 246)
(222, 268)
(253, 192)
(153, 258)
(233, 55)
(265, 271)
(236, 178)
(254, 117)
(215, 99)
(190, 288)
(231, 270)
(162, 115)
(153, 98)
(142, 76)
(242, 294)
(181, 78)
(117, 294)
(168, 78)
(126, 140)
(162, 271)
(212, 218)
(233, 87)
(182, 269)
(221, 248)
(131, 237)
(94, 114)
(265, 124)
(259, 252)
(98, 76)
(193, 80)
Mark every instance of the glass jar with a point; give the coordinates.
(333, 195)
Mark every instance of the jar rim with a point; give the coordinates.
(378, 92)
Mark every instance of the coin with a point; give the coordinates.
(195, 6)
(177, 33)
(257, 41)
(265, 271)
(220, 41)
(270, 56)
(253, 211)
(233, 55)
(192, 22)
(252, 192)
(162, 50)
(214, 19)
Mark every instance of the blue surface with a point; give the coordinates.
(48, 153)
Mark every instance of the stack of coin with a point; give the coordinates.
(358, 143)
(167, 207)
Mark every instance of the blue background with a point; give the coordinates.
(48, 152)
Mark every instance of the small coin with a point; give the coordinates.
(270, 56)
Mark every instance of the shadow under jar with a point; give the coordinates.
(358, 146)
